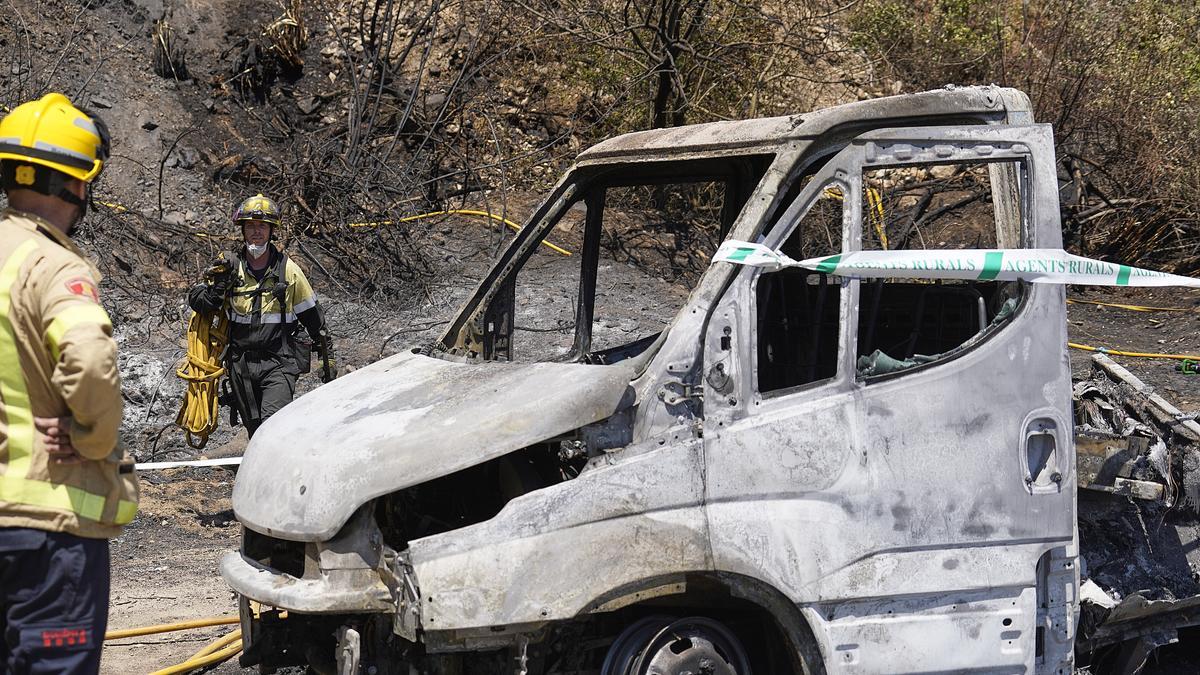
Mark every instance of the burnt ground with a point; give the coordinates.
(1129, 547)
(1176, 332)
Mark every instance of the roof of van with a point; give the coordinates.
(998, 103)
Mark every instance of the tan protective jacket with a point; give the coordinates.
(58, 359)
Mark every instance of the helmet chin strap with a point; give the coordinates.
(70, 198)
(83, 207)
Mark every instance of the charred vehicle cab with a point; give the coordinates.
(731, 471)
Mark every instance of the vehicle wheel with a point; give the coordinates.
(629, 644)
(695, 645)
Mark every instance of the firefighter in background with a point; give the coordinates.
(66, 485)
(266, 296)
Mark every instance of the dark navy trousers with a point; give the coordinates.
(53, 601)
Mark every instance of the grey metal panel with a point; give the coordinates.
(550, 554)
(336, 592)
(716, 137)
(403, 421)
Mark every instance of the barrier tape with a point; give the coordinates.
(224, 461)
(1036, 265)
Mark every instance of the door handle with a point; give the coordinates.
(1041, 455)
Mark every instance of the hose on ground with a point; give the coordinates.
(207, 335)
(170, 627)
(1144, 355)
(1132, 308)
(207, 659)
(215, 652)
(460, 212)
(211, 654)
(218, 644)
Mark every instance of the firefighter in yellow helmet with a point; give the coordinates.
(66, 485)
(267, 298)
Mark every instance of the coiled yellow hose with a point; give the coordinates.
(207, 335)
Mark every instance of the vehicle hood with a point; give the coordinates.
(403, 421)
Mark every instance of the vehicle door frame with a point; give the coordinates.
(731, 338)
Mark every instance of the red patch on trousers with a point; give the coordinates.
(66, 637)
(83, 287)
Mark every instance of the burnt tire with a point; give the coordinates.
(654, 646)
(630, 643)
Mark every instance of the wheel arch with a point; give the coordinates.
(703, 589)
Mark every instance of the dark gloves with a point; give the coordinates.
(219, 275)
(217, 282)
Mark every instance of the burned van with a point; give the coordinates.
(694, 467)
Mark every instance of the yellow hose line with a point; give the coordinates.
(460, 212)
(171, 627)
(207, 335)
(874, 210)
(1135, 308)
(202, 662)
(407, 219)
(1144, 355)
(112, 205)
(875, 204)
(219, 643)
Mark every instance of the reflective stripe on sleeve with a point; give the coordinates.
(125, 512)
(13, 392)
(305, 304)
(75, 315)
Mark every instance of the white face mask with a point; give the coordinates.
(256, 250)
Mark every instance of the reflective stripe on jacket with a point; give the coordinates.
(261, 316)
(57, 359)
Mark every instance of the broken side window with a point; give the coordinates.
(904, 323)
(797, 309)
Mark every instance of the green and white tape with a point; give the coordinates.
(1036, 265)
